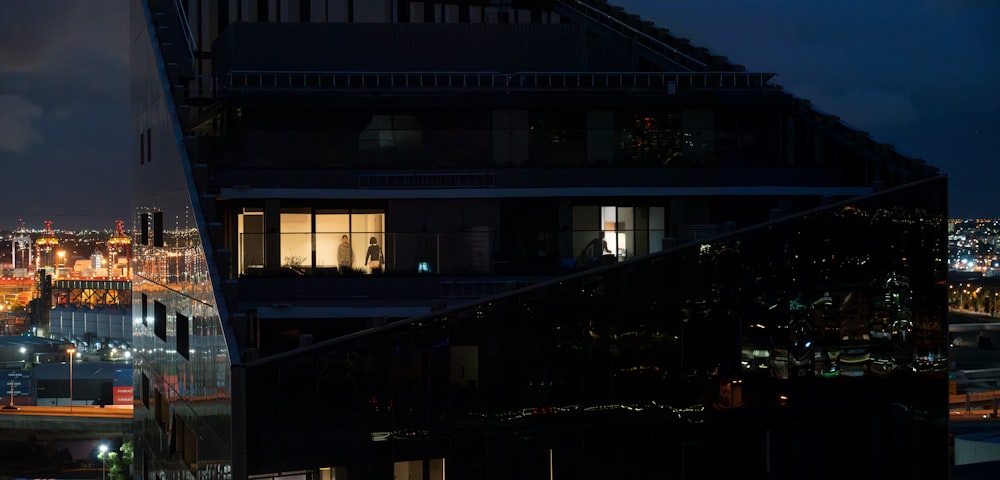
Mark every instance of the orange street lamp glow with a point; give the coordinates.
(71, 351)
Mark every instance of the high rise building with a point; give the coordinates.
(515, 239)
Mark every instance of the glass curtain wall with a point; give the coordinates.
(749, 355)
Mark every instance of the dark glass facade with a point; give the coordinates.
(607, 254)
(812, 347)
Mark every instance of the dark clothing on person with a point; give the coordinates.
(374, 253)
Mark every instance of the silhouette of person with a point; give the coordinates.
(374, 256)
(597, 248)
(345, 257)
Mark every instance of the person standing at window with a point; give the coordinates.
(597, 252)
(374, 256)
(345, 257)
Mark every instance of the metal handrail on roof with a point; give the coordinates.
(644, 39)
(186, 28)
(267, 80)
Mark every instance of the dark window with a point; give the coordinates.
(262, 11)
(149, 145)
(160, 320)
(183, 441)
(305, 6)
(157, 229)
(162, 409)
(144, 390)
(144, 220)
(183, 343)
(142, 148)
(145, 310)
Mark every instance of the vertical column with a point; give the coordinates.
(565, 246)
(272, 237)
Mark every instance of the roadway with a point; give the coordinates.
(76, 411)
(81, 419)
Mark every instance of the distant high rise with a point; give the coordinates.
(513, 239)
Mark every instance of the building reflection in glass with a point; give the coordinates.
(815, 343)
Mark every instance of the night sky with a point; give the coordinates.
(64, 113)
(923, 75)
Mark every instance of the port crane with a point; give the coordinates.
(118, 244)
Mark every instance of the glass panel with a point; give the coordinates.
(587, 241)
(251, 234)
(296, 240)
(657, 229)
(609, 226)
(367, 239)
(378, 134)
(625, 233)
(329, 230)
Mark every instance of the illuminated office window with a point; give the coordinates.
(315, 239)
(365, 231)
(296, 240)
(250, 232)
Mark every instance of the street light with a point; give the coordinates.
(71, 351)
(103, 456)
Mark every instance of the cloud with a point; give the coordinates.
(17, 123)
(30, 32)
(37, 33)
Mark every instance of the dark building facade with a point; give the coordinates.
(515, 240)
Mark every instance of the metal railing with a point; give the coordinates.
(473, 251)
(186, 28)
(643, 38)
(268, 80)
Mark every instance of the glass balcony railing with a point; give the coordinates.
(470, 252)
